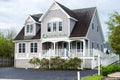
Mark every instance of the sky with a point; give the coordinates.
(13, 13)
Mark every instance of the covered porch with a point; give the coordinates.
(66, 48)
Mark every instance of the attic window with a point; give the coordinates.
(29, 28)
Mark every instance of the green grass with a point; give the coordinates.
(93, 78)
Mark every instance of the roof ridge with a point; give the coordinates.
(85, 8)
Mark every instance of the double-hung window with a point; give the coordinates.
(21, 47)
(29, 28)
(60, 26)
(54, 26)
(33, 47)
(49, 27)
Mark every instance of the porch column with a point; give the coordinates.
(84, 48)
(54, 48)
(69, 48)
(84, 51)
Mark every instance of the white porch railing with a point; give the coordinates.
(71, 53)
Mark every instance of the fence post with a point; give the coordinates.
(78, 75)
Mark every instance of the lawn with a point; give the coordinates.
(93, 78)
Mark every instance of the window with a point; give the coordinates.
(79, 46)
(97, 46)
(54, 26)
(92, 26)
(92, 45)
(21, 47)
(49, 27)
(33, 48)
(97, 28)
(102, 48)
(29, 28)
(60, 26)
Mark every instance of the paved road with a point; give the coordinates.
(30, 74)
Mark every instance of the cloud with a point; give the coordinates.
(14, 12)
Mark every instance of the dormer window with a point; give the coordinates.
(29, 28)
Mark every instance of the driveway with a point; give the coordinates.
(30, 74)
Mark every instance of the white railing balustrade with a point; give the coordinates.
(71, 53)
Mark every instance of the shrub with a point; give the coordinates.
(110, 69)
(72, 63)
(56, 63)
(34, 61)
(44, 63)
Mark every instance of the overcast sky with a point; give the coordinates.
(13, 13)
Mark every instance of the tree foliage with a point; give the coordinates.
(114, 32)
(6, 45)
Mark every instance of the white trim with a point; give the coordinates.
(27, 40)
(30, 18)
(54, 3)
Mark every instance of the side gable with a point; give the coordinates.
(95, 34)
(84, 17)
(64, 9)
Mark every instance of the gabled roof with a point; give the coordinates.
(65, 10)
(36, 17)
(84, 17)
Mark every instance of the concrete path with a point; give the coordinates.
(30, 74)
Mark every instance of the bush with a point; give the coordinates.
(34, 61)
(72, 63)
(44, 63)
(56, 63)
(110, 69)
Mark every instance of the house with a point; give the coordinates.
(60, 32)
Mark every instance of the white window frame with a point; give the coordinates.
(21, 49)
(33, 49)
(49, 25)
(29, 28)
(56, 21)
(60, 29)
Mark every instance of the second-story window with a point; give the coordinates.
(29, 28)
(49, 27)
(60, 26)
(54, 26)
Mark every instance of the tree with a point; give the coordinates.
(114, 32)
